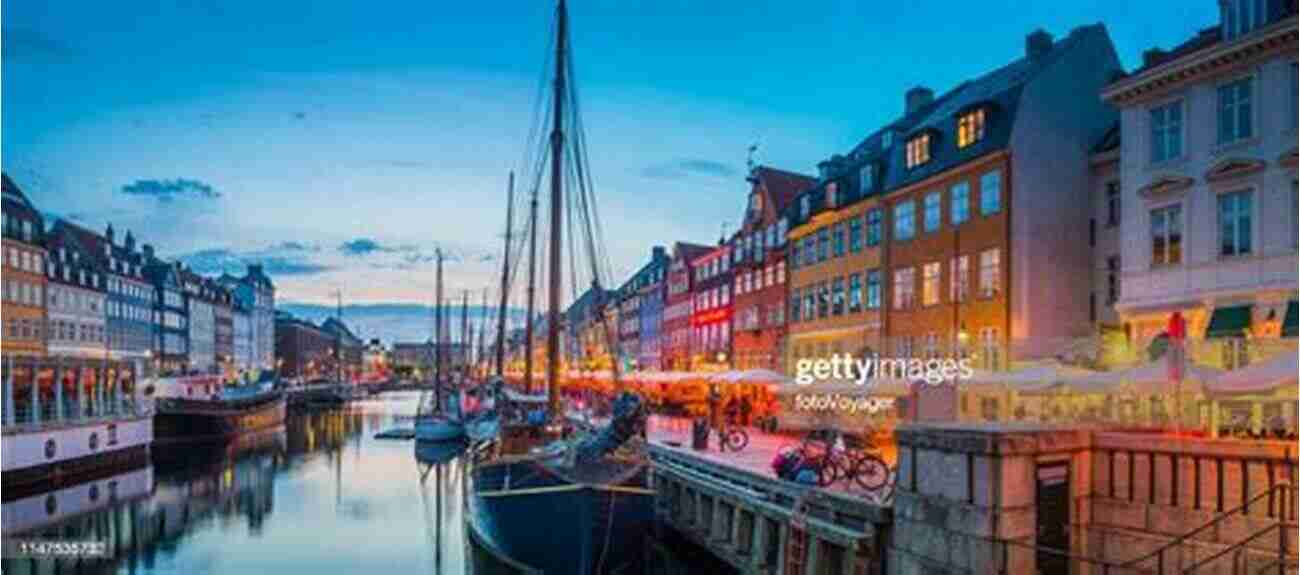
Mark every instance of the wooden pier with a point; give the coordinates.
(733, 505)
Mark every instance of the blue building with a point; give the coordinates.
(171, 337)
(129, 305)
(650, 311)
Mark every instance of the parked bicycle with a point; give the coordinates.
(846, 456)
(732, 437)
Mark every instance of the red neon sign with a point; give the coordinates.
(711, 316)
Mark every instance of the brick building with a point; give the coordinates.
(679, 304)
(711, 318)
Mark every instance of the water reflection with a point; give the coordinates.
(318, 495)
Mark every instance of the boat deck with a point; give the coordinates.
(754, 458)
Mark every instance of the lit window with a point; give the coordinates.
(970, 128)
(855, 235)
(873, 227)
(1166, 236)
(990, 273)
(838, 235)
(1234, 111)
(904, 220)
(930, 284)
(1234, 223)
(960, 278)
(904, 288)
(918, 150)
(855, 293)
(837, 296)
(873, 289)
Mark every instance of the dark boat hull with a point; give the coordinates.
(588, 529)
(185, 421)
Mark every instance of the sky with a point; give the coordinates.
(340, 143)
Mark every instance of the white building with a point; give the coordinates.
(255, 294)
(1208, 177)
(243, 338)
(74, 299)
(202, 324)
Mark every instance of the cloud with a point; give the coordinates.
(168, 190)
(686, 168)
(283, 259)
(364, 247)
(20, 44)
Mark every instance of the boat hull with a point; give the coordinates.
(184, 421)
(602, 526)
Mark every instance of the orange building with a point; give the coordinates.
(24, 275)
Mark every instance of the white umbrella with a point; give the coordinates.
(1261, 377)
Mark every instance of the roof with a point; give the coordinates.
(782, 186)
(689, 251)
(258, 278)
(334, 325)
(1109, 141)
(17, 204)
(1203, 39)
(997, 93)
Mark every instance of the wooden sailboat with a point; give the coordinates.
(596, 505)
(436, 420)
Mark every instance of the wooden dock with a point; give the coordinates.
(733, 505)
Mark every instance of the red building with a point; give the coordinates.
(759, 269)
(711, 318)
(675, 330)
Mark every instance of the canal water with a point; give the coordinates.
(319, 495)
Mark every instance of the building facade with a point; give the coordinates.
(25, 280)
(760, 268)
(171, 314)
(256, 293)
(302, 349)
(712, 310)
(200, 304)
(1207, 167)
(631, 298)
(347, 346)
(679, 304)
(223, 331)
(652, 314)
(75, 297)
(242, 346)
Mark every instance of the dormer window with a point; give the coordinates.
(970, 127)
(867, 178)
(1240, 17)
(918, 150)
(805, 205)
(887, 139)
(832, 195)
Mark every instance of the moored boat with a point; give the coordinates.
(214, 413)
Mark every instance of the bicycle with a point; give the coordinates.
(848, 457)
(732, 437)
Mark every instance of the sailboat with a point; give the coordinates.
(436, 419)
(592, 492)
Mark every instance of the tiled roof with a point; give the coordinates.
(17, 203)
(997, 92)
(689, 251)
(782, 186)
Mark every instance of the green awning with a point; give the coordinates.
(1230, 321)
(1289, 320)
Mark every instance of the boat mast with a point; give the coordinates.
(465, 336)
(437, 333)
(505, 280)
(481, 329)
(338, 338)
(532, 292)
(557, 222)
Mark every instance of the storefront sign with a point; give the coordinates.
(711, 316)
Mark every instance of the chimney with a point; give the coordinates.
(148, 252)
(1037, 43)
(1152, 56)
(130, 241)
(916, 98)
(108, 233)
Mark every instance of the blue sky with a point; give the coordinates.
(339, 142)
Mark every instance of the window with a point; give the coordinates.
(823, 300)
(839, 239)
(855, 293)
(1234, 223)
(873, 227)
(823, 243)
(992, 349)
(1166, 236)
(933, 211)
(855, 235)
(782, 226)
(959, 195)
(809, 302)
(873, 289)
(918, 150)
(780, 272)
(930, 284)
(886, 139)
(1112, 204)
(1166, 132)
(837, 296)
(1234, 111)
(970, 128)
(904, 288)
(959, 278)
(990, 193)
(809, 250)
(904, 220)
(1242, 16)
(1112, 280)
(990, 273)
(866, 178)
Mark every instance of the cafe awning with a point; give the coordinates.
(1151, 377)
(1259, 377)
(1229, 321)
